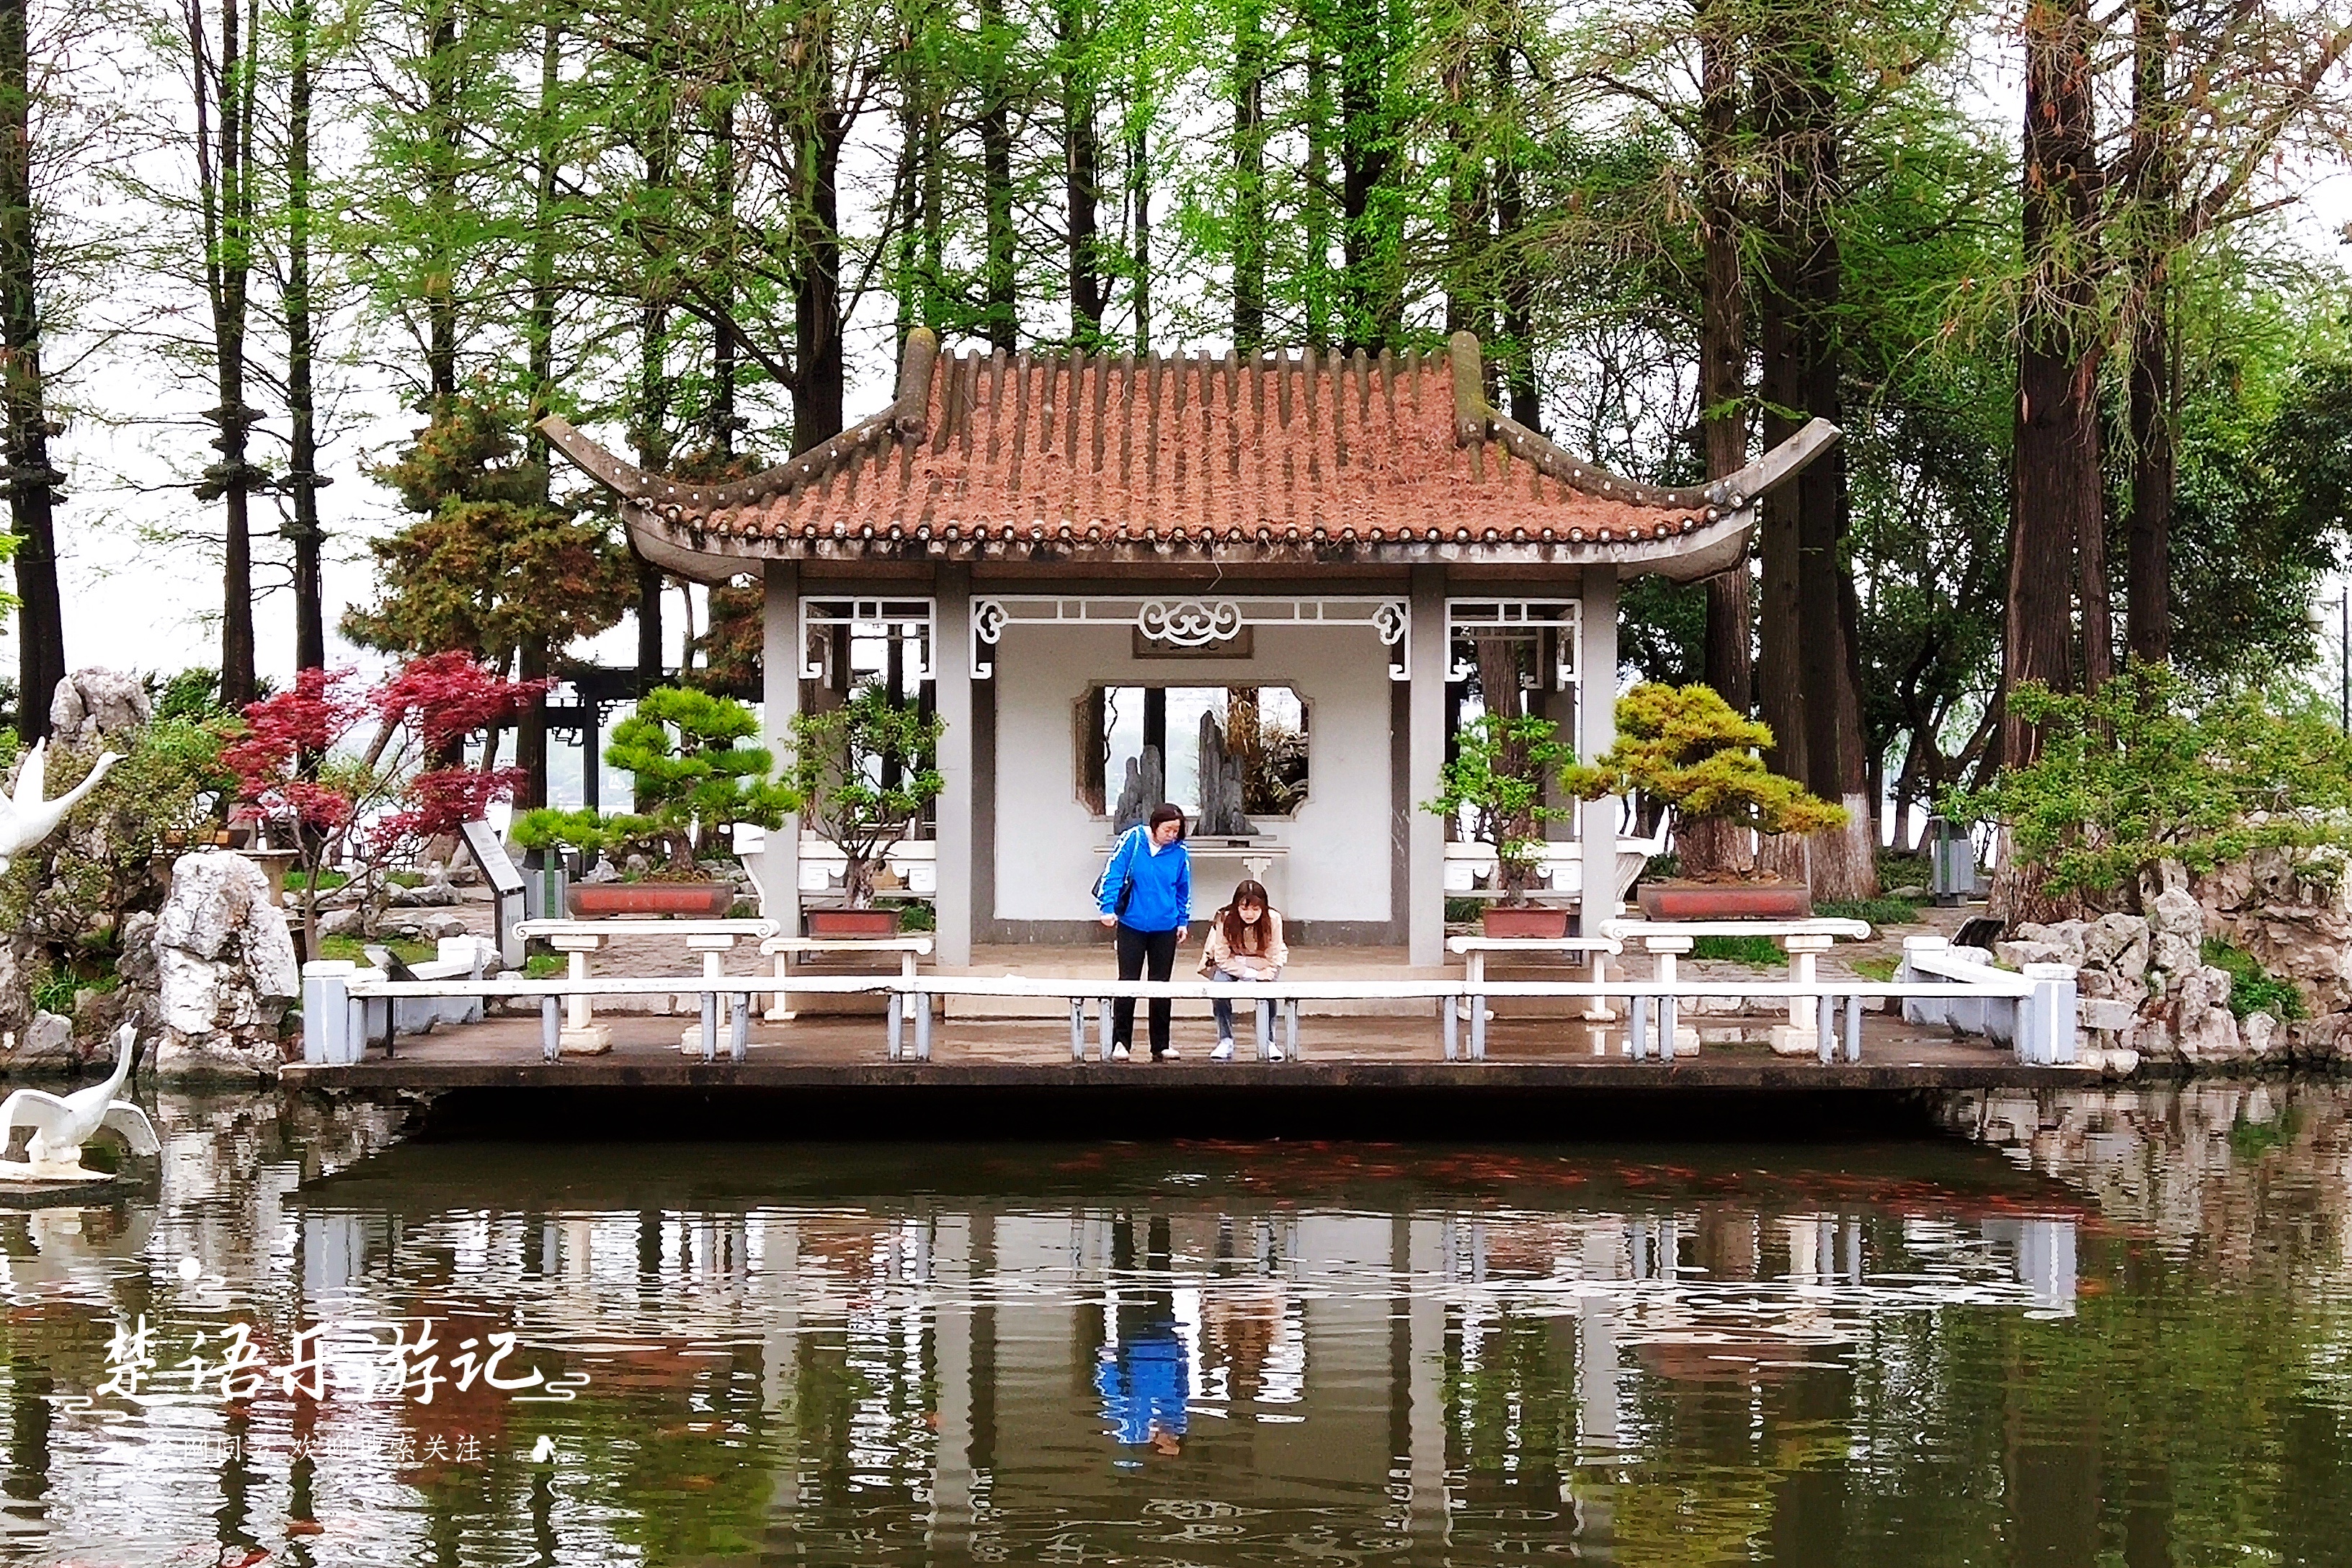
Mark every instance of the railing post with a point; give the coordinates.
(326, 1013)
(1663, 951)
(922, 1005)
(1825, 1025)
(1450, 1016)
(1853, 1027)
(2046, 1033)
(895, 1013)
(709, 1026)
(1262, 1024)
(1078, 1028)
(551, 1029)
(1290, 1031)
(1105, 1046)
(1637, 1028)
(739, 1034)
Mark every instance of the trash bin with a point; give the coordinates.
(1952, 862)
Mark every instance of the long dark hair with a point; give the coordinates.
(1229, 918)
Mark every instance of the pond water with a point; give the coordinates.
(2109, 1328)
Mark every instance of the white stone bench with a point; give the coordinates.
(784, 949)
(713, 939)
(1803, 940)
(1476, 949)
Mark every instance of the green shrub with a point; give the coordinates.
(1879, 969)
(918, 914)
(1464, 911)
(1877, 911)
(2144, 772)
(542, 965)
(353, 949)
(1756, 950)
(298, 880)
(2253, 988)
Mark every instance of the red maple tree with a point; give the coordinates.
(299, 765)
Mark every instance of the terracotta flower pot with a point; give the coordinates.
(1524, 920)
(847, 923)
(698, 901)
(1725, 900)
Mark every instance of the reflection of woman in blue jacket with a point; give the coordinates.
(1145, 1379)
(1147, 899)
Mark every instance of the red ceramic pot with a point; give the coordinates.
(695, 900)
(847, 923)
(1525, 920)
(1725, 900)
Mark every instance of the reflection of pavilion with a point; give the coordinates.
(1326, 1354)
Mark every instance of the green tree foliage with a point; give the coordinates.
(488, 568)
(1494, 783)
(693, 780)
(864, 772)
(2144, 772)
(1683, 747)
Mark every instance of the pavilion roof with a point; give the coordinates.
(1101, 458)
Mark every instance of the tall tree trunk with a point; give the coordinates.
(1249, 175)
(651, 433)
(1368, 314)
(1003, 311)
(1716, 845)
(2149, 599)
(302, 478)
(1468, 219)
(2056, 500)
(223, 104)
(1139, 195)
(1320, 299)
(32, 480)
(539, 337)
(725, 352)
(1781, 695)
(1843, 861)
(1083, 143)
(1518, 286)
(818, 363)
(442, 68)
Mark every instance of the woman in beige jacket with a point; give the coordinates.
(1244, 944)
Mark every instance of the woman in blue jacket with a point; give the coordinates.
(1147, 899)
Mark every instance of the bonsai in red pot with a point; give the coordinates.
(1494, 785)
(863, 774)
(692, 780)
(1683, 747)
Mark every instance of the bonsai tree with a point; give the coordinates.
(692, 782)
(1683, 747)
(1495, 780)
(863, 773)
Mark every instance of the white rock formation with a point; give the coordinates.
(227, 969)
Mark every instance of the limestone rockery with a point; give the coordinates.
(2146, 986)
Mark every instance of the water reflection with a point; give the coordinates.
(2108, 1328)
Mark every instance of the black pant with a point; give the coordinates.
(1135, 947)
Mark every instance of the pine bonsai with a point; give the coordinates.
(1685, 748)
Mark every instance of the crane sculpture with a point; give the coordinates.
(25, 819)
(60, 1126)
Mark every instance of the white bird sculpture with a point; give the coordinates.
(25, 819)
(61, 1126)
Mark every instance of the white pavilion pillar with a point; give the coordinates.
(1424, 860)
(952, 689)
(949, 1290)
(780, 699)
(1596, 723)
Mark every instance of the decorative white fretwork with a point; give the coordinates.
(909, 620)
(1192, 622)
(1564, 618)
